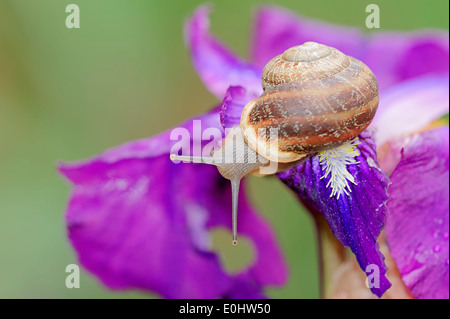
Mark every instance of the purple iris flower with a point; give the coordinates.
(135, 224)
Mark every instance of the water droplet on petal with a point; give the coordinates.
(437, 248)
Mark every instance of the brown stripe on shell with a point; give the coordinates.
(328, 136)
(331, 100)
(349, 89)
(316, 134)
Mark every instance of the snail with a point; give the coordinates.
(315, 98)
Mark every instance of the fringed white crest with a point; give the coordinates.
(335, 162)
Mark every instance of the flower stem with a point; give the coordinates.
(331, 253)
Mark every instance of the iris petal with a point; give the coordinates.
(277, 29)
(399, 56)
(233, 104)
(417, 225)
(217, 66)
(411, 106)
(137, 220)
(355, 219)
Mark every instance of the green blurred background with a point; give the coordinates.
(67, 94)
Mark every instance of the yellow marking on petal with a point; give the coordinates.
(336, 161)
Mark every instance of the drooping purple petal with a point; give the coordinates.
(217, 66)
(137, 220)
(357, 219)
(277, 29)
(411, 106)
(398, 56)
(417, 224)
(233, 104)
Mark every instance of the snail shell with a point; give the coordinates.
(316, 97)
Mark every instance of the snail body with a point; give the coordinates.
(315, 98)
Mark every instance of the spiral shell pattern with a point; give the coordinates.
(315, 97)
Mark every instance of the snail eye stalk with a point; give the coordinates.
(235, 183)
